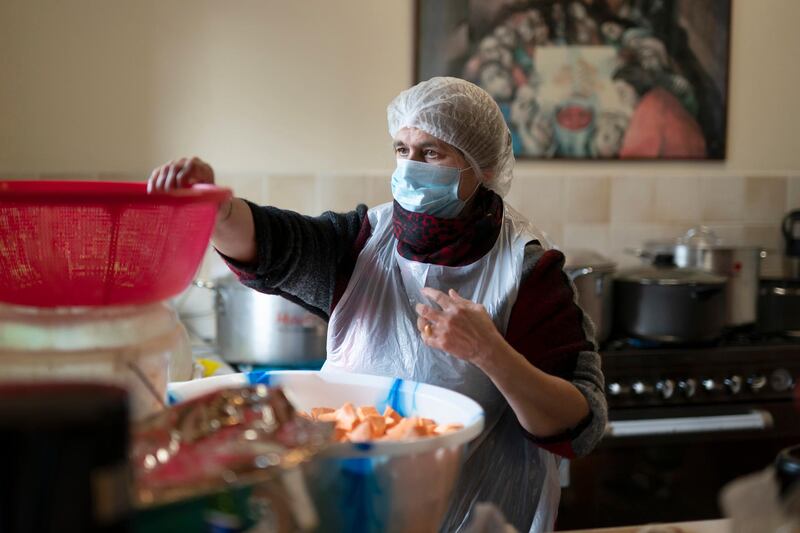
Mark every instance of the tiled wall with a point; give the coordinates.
(607, 214)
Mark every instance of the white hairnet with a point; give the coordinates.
(463, 115)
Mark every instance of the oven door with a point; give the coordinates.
(665, 465)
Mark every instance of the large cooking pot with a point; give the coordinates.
(593, 277)
(779, 306)
(264, 329)
(701, 249)
(667, 304)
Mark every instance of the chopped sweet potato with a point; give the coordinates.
(327, 417)
(361, 433)
(407, 428)
(378, 425)
(366, 423)
(346, 417)
(339, 435)
(366, 411)
(317, 411)
(391, 413)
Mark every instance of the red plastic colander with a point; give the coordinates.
(65, 243)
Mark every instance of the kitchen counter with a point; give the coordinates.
(703, 526)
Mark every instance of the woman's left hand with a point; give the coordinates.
(462, 328)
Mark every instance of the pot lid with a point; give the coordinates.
(700, 238)
(578, 258)
(670, 276)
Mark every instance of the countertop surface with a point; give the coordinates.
(703, 526)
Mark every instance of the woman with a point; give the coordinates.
(446, 285)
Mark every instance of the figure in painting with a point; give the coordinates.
(601, 79)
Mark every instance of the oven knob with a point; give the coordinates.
(666, 387)
(640, 388)
(781, 380)
(710, 385)
(688, 387)
(615, 389)
(734, 384)
(756, 383)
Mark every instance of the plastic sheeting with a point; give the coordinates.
(373, 330)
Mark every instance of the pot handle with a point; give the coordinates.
(700, 234)
(580, 272)
(784, 291)
(219, 299)
(704, 293)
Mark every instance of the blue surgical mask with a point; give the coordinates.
(425, 188)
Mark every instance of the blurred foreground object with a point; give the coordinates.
(65, 458)
(227, 459)
(766, 501)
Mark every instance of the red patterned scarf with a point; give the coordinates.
(450, 241)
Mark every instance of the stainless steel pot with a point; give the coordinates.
(672, 305)
(593, 277)
(264, 329)
(700, 248)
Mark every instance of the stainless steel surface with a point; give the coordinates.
(683, 309)
(756, 420)
(264, 329)
(700, 248)
(593, 277)
(742, 266)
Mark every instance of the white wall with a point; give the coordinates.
(96, 85)
(261, 87)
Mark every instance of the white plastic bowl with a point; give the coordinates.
(377, 486)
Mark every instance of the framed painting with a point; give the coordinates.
(590, 79)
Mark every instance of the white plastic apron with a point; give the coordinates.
(373, 331)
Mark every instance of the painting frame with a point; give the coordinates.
(630, 112)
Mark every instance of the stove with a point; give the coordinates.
(683, 422)
(741, 367)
